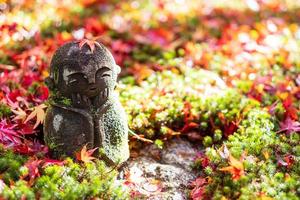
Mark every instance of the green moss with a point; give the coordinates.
(5, 110)
(154, 110)
(10, 164)
(207, 141)
(69, 181)
(58, 99)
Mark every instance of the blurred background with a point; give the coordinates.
(218, 34)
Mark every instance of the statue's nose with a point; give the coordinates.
(91, 79)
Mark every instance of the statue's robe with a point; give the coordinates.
(69, 129)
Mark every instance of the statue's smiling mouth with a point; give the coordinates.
(93, 89)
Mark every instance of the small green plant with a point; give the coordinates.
(68, 180)
(4, 110)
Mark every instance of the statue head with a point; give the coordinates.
(81, 70)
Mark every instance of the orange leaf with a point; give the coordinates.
(90, 43)
(236, 168)
(85, 155)
(140, 72)
(38, 113)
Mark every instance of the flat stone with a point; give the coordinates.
(163, 173)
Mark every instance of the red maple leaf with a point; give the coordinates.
(8, 134)
(25, 129)
(187, 112)
(94, 26)
(41, 94)
(291, 111)
(289, 126)
(29, 147)
(189, 126)
(230, 128)
(287, 161)
(202, 159)
(32, 165)
(48, 161)
(91, 44)
(198, 193)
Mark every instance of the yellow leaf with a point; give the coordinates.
(45, 73)
(20, 114)
(264, 197)
(283, 95)
(38, 113)
(235, 163)
(266, 154)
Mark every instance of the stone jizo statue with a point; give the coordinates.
(84, 109)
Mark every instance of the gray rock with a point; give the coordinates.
(168, 168)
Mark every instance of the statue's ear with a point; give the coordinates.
(49, 82)
(118, 69)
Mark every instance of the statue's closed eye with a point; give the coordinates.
(76, 78)
(105, 75)
(103, 72)
(73, 81)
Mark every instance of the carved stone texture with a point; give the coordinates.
(84, 109)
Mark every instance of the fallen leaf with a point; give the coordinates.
(7, 67)
(198, 193)
(85, 155)
(224, 152)
(236, 168)
(266, 154)
(8, 133)
(38, 113)
(20, 114)
(32, 165)
(47, 162)
(91, 44)
(289, 126)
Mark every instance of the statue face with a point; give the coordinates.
(89, 79)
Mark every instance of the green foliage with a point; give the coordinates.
(73, 181)
(4, 110)
(58, 99)
(254, 134)
(159, 143)
(10, 164)
(207, 141)
(69, 181)
(263, 171)
(158, 104)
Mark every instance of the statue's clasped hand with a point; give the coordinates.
(81, 101)
(100, 99)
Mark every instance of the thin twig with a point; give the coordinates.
(139, 137)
